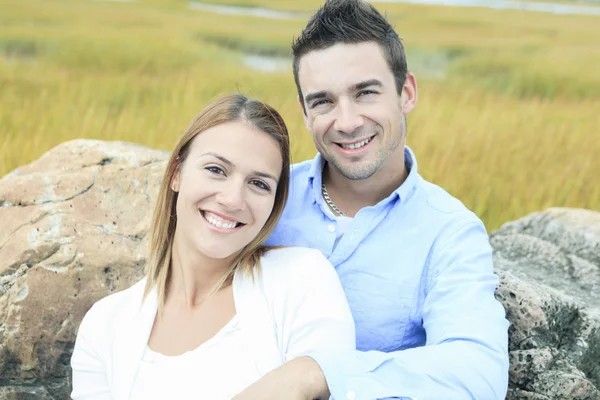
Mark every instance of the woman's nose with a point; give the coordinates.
(232, 196)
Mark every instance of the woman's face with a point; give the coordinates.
(226, 188)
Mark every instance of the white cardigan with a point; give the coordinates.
(294, 306)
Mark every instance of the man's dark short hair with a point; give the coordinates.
(350, 22)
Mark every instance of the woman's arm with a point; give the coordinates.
(89, 374)
(313, 316)
(298, 379)
(316, 316)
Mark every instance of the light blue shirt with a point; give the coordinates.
(417, 272)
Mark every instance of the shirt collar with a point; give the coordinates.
(315, 176)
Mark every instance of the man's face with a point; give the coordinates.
(353, 109)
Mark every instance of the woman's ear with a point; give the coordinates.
(175, 182)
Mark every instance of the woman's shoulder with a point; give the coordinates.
(298, 266)
(292, 251)
(114, 305)
(294, 260)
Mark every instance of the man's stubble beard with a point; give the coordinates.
(367, 171)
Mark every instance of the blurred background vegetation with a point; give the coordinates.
(509, 101)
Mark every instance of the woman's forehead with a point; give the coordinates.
(239, 144)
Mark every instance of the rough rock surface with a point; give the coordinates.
(549, 265)
(73, 229)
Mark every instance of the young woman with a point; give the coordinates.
(216, 310)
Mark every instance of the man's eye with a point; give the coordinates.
(319, 103)
(366, 92)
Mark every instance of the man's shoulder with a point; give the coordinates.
(300, 173)
(441, 204)
(299, 188)
(302, 168)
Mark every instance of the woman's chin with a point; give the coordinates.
(220, 253)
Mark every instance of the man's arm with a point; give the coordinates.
(466, 354)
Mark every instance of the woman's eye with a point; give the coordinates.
(215, 170)
(261, 185)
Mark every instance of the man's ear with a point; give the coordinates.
(409, 96)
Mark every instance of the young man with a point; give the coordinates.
(415, 264)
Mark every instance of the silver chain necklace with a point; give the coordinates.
(330, 202)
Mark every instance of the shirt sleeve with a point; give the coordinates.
(316, 314)
(89, 376)
(466, 353)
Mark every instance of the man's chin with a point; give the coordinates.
(355, 171)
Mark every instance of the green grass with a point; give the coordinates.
(507, 118)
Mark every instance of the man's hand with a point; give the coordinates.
(298, 379)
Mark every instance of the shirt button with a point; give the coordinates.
(350, 395)
(331, 228)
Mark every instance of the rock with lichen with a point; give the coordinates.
(73, 230)
(549, 265)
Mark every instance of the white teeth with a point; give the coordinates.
(356, 145)
(219, 222)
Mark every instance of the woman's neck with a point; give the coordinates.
(194, 276)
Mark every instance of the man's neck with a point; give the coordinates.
(352, 195)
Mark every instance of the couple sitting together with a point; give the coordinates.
(347, 276)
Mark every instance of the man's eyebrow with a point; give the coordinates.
(356, 87)
(314, 96)
(366, 84)
(226, 161)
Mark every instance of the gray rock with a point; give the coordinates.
(73, 230)
(549, 266)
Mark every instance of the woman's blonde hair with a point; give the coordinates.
(227, 109)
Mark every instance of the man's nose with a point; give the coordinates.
(348, 117)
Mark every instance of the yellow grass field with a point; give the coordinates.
(508, 118)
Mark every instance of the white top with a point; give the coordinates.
(294, 307)
(206, 371)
